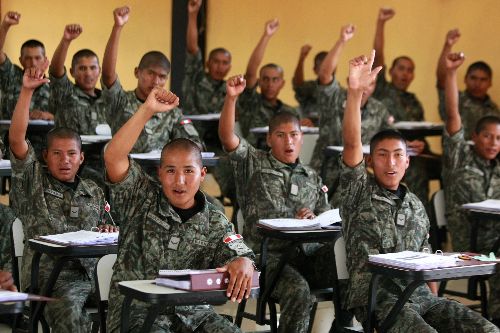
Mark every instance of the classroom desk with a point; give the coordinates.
(34, 126)
(465, 269)
(412, 130)
(476, 216)
(158, 296)
(62, 255)
(11, 307)
(5, 171)
(152, 160)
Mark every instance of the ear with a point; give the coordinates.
(136, 72)
(282, 84)
(268, 140)
(475, 138)
(407, 164)
(369, 161)
(203, 174)
(82, 157)
(71, 72)
(44, 155)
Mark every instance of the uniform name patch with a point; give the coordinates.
(232, 238)
(54, 193)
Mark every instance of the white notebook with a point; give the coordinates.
(324, 220)
(490, 205)
(82, 237)
(413, 260)
(11, 296)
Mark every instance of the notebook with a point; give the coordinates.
(413, 260)
(82, 237)
(325, 220)
(490, 205)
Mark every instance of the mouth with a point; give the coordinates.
(289, 151)
(391, 173)
(178, 191)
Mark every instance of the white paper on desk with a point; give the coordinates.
(323, 220)
(11, 296)
(305, 130)
(203, 117)
(103, 129)
(5, 164)
(156, 154)
(490, 205)
(413, 260)
(95, 138)
(82, 237)
(416, 125)
(366, 150)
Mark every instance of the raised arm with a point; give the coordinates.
(109, 76)
(453, 120)
(258, 53)
(452, 38)
(71, 32)
(384, 15)
(192, 26)
(331, 60)
(32, 79)
(234, 87)
(361, 76)
(116, 153)
(298, 75)
(10, 19)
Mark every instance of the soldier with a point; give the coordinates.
(306, 91)
(78, 106)
(256, 109)
(170, 226)
(391, 219)
(11, 76)
(474, 101)
(7, 216)
(275, 184)
(472, 175)
(54, 200)
(153, 71)
(332, 98)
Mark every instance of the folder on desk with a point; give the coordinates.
(82, 237)
(198, 280)
(326, 220)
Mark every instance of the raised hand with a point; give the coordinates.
(235, 85)
(361, 74)
(347, 32)
(272, 26)
(34, 76)
(161, 100)
(452, 37)
(454, 60)
(120, 15)
(194, 6)
(11, 18)
(385, 14)
(304, 51)
(72, 31)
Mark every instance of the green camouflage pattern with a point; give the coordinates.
(307, 96)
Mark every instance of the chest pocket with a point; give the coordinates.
(383, 211)
(156, 236)
(302, 192)
(469, 185)
(268, 189)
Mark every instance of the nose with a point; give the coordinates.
(180, 178)
(392, 160)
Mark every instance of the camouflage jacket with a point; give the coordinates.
(307, 96)
(376, 221)
(45, 206)
(268, 188)
(471, 110)
(153, 237)
(75, 109)
(403, 105)
(201, 93)
(468, 178)
(159, 130)
(11, 81)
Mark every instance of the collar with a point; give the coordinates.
(82, 189)
(81, 93)
(268, 105)
(382, 194)
(277, 165)
(486, 101)
(484, 163)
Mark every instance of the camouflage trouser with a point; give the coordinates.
(67, 314)
(431, 315)
(293, 288)
(6, 218)
(214, 323)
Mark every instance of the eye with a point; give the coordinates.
(170, 171)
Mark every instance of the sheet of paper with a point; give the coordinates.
(305, 130)
(155, 155)
(82, 237)
(416, 125)
(95, 138)
(6, 296)
(203, 117)
(5, 164)
(487, 205)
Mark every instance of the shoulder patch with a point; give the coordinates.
(232, 238)
(185, 121)
(324, 188)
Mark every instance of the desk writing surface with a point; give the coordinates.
(34, 122)
(77, 251)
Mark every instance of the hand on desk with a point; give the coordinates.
(6, 281)
(417, 146)
(305, 213)
(107, 228)
(240, 278)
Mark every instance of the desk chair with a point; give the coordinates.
(319, 295)
(103, 273)
(438, 220)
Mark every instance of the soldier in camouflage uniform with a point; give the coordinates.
(6, 218)
(472, 175)
(254, 109)
(54, 200)
(381, 215)
(403, 106)
(169, 226)
(276, 185)
(153, 71)
(474, 101)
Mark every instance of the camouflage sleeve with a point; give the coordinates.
(116, 101)
(353, 184)
(322, 204)
(61, 89)
(6, 74)
(244, 160)
(304, 92)
(25, 175)
(248, 103)
(454, 150)
(381, 86)
(328, 97)
(184, 128)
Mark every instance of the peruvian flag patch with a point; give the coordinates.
(185, 121)
(324, 188)
(232, 238)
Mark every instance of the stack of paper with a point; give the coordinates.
(416, 125)
(11, 296)
(305, 130)
(82, 237)
(413, 260)
(324, 220)
(95, 138)
(5, 164)
(156, 154)
(203, 117)
(490, 205)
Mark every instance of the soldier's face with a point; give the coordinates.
(389, 162)
(270, 83)
(285, 142)
(402, 73)
(32, 57)
(149, 78)
(219, 65)
(180, 176)
(63, 158)
(487, 142)
(477, 83)
(86, 73)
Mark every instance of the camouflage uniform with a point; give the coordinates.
(371, 218)
(6, 218)
(471, 110)
(332, 98)
(469, 178)
(159, 130)
(271, 189)
(255, 111)
(204, 95)
(154, 238)
(405, 106)
(307, 96)
(43, 204)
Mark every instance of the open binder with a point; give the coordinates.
(82, 238)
